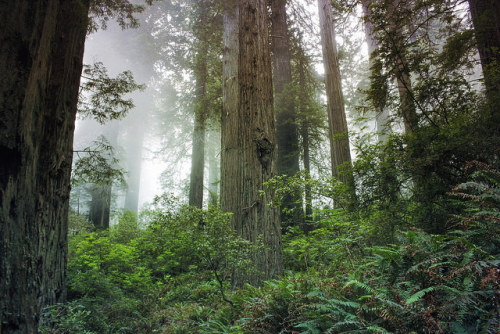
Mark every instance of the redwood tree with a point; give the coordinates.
(486, 19)
(339, 141)
(201, 113)
(248, 153)
(382, 113)
(41, 52)
(286, 126)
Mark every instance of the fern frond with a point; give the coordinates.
(418, 295)
(360, 285)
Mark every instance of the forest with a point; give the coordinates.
(249, 166)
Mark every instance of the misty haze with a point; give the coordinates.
(249, 166)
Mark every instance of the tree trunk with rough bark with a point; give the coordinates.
(339, 141)
(248, 135)
(41, 52)
(286, 126)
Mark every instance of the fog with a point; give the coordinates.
(152, 144)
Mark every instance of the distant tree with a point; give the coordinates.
(486, 20)
(248, 134)
(202, 31)
(378, 81)
(286, 126)
(310, 117)
(41, 52)
(339, 140)
(102, 99)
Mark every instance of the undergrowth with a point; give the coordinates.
(174, 275)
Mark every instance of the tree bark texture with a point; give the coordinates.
(486, 20)
(339, 141)
(41, 52)
(286, 126)
(248, 134)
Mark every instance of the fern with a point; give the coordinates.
(358, 284)
(418, 295)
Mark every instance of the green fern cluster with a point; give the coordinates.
(422, 283)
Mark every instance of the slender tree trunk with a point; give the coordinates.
(41, 52)
(201, 114)
(382, 114)
(305, 128)
(248, 134)
(486, 19)
(197, 163)
(286, 126)
(337, 124)
(135, 150)
(402, 72)
(134, 155)
(213, 169)
(100, 204)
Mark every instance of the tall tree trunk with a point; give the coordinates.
(201, 113)
(339, 141)
(382, 114)
(100, 204)
(134, 149)
(41, 52)
(134, 156)
(248, 134)
(401, 71)
(305, 129)
(486, 19)
(197, 161)
(286, 127)
(213, 169)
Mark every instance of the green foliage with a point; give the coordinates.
(100, 267)
(101, 11)
(130, 277)
(78, 225)
(184, 238)
(70, 318)
(127, 228)
(102, 97)
(97, 164)
(173, 274)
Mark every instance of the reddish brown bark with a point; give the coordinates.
(248, 134)
(41, 52)
(339, 141)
